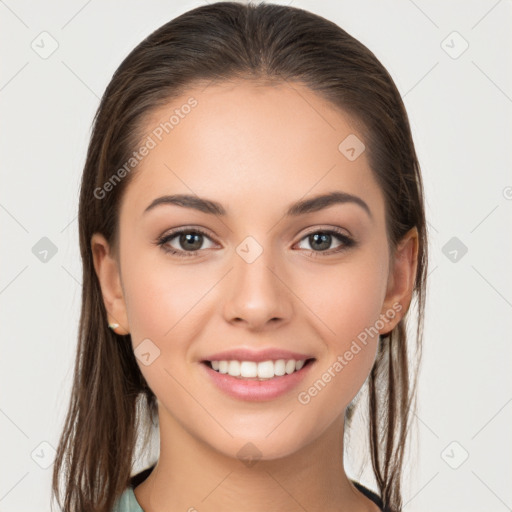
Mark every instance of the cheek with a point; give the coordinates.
(168, 305)
(346, 298)
(161, 297)
(347, 301)
(163, 306)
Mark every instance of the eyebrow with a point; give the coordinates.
(299, 208)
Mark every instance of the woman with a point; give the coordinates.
(252, 231)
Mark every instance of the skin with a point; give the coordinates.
(255, 149)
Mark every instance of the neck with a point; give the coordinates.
(191, 475)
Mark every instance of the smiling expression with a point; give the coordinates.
(246, 227)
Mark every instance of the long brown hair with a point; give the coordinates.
(110, 399)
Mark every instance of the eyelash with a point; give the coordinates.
(346, 241)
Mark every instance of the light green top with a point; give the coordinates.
(127, 502)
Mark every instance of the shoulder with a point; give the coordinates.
(127, 502)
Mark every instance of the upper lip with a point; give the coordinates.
(245, 354)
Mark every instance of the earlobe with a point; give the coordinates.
(401, 280)
(107, 271)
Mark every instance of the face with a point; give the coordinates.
(316, 281)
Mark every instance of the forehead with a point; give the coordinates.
(248, 145)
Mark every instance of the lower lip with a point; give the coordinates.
(257, 390)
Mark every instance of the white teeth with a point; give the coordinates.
(248, 369)
(234, 368)
(280, 367)
(266, 370)
(290, 366)
(262, 370)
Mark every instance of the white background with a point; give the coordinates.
(460, 111)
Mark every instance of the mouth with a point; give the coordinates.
(259, 371)
(261, 381)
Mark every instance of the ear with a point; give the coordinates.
(400, 281)
(107, 270)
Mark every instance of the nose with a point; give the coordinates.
(258, 296)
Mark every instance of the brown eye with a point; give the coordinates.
(187, 242)
(191, 241)
(321, 241)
